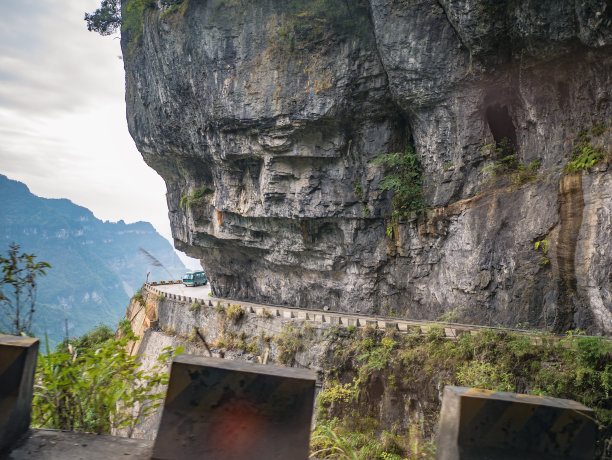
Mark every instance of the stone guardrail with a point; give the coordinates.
(327, 318)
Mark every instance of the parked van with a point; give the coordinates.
(195, 279)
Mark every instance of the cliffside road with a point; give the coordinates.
(201, 294)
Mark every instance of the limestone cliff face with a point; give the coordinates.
(279, 107)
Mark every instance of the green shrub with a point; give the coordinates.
(235, 313)
(598, 128)
(316, 24)
(138, 297)
(94, 385)
(195, 307)
(124, 326)
(197, 198)
(482, 374)
(334, 439)
(576, 367)
(290, 342)
(585, 156)
(132, 21)
(358, 190)
(230, 340)
(404, 177)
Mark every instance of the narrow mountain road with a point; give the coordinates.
(198, 292)
(186, 294)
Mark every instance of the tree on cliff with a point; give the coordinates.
(106, 19)
(18, 289)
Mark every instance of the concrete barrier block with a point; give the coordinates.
(335, 320)
(318, 318)
(372, 323)
(17, 366)
(288, 314)
(353, 322)
(391, 326)
(483, 424)
(233, 410)
(403, 327)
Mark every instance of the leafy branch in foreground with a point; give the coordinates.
(404, 179)
(18, 289)
(93, 384)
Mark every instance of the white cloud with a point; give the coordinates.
(62, 114)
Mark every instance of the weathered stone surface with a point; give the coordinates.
(215, 408)
(67, 445)
(483, 424)
(282, 128)
(17, 366)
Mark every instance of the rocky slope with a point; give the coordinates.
(267, 115)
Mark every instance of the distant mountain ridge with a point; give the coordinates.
(96, 265)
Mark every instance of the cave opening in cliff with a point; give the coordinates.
(502, 128)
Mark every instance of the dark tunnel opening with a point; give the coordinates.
(502, 128)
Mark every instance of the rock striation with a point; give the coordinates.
(263, 118)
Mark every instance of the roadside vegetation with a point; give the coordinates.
(92, 384)
(365, 367)
(381, 390)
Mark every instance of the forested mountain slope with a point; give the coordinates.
(96, 265)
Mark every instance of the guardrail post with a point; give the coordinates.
(391, 326)
(231, 410)
(17, 366)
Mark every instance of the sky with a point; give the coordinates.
(63, 130)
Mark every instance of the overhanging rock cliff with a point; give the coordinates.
(263, 118)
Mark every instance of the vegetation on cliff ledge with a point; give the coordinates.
(197, 198)
(366, 368)
(404, 177)
(312, 23)
(585, 154)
